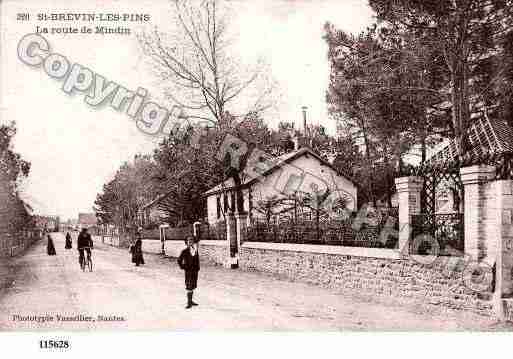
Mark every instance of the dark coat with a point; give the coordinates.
(50, 248)
(187, 262)
(84, 240)
(137, 253)
(191, 265)
(68, 241)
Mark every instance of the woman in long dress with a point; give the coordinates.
(68, 241)
(50, 248)
(137, 254)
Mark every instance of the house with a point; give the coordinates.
(50, 223)
(300, 171)
(87, 220)
(151, 214)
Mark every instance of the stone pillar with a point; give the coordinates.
(504, 263)
(162, 237)
(231, 237)
(476, 182)
(242, 223)
(408, 192)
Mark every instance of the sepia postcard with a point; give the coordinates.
(255, 166)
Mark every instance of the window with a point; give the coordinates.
(218, 207)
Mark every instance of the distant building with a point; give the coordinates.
(69, 225)
(151, 213)
(87, 220)
(49, 223)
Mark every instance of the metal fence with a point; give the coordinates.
(212, 232)
(447, 229)
(332, 232)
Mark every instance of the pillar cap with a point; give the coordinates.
(410, 183)
(477, 174)
(241, 214)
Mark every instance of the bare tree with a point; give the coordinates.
(196, 63)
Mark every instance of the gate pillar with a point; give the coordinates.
(479, 206)
(231, 236)
(408, 192)
(504, 266)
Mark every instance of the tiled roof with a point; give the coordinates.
(483, 137)
(277, 162)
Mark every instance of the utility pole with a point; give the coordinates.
(305, 129)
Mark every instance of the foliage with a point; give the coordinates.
(126, 193)
(197, 63)
(13, 169)
(420, 74)
(469, 37)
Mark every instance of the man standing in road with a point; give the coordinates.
(189, 262)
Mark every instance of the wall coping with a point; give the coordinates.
(410, 183)
(213, 242)
(326, 249)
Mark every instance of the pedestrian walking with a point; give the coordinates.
(190, 263)
(68, 241)
(137, 254)
(136, 249)
(50, 248)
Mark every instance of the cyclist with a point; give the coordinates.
(84, 242)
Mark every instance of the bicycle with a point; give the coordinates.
(87, 260)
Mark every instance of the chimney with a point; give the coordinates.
(304, 108)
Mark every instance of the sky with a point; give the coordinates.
(74, 148)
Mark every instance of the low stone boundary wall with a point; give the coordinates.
(367, 271)
(211, 251)
(377, 273)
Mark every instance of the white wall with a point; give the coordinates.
(313, 172)
(212, 209)
(212, 205)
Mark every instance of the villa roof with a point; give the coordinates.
(277, 163)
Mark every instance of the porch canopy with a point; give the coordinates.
(486, 142)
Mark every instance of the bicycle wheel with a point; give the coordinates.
(90, 265)
(82, 264)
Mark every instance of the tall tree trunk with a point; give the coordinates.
(239, 195)
(371, 175)
(423, 139)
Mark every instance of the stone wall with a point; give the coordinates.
(211, 251)
(380, 274)
(386, 278)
